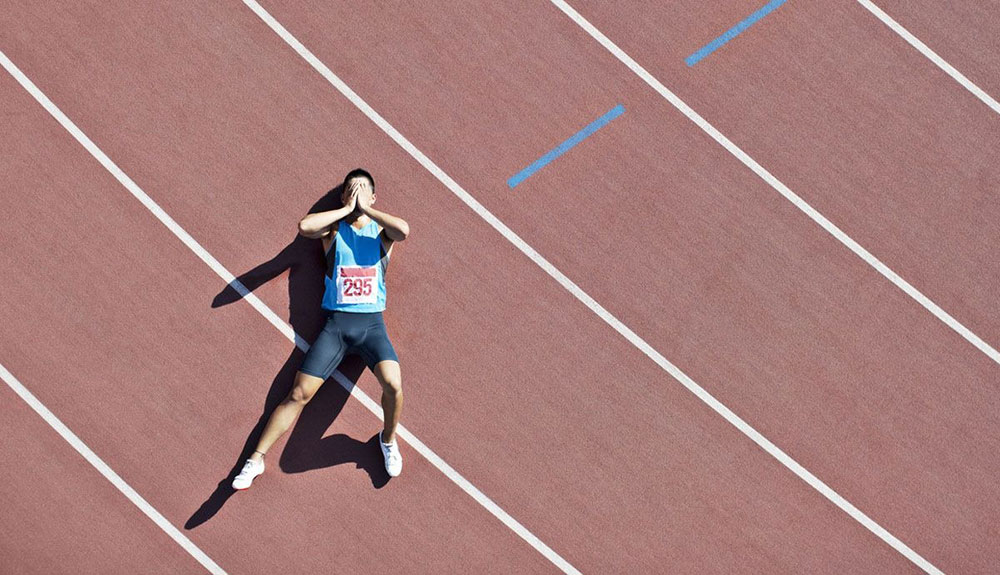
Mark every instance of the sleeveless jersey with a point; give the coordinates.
(355, 270)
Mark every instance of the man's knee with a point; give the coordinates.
(300, 395)
(305, 388)
(393, 386)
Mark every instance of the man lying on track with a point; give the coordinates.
(357, 241)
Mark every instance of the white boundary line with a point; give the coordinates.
(280, 324)
(106, 471)
(781, 188)
(588, 301)
(931, 55)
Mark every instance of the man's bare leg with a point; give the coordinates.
(389, 377)
(284, 415)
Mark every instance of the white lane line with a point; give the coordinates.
(588, 301)
(931, 55)
(280, 324)
(781, 188)
(106, 471)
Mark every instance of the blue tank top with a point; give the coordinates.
(355, 270)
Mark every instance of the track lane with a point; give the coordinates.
(966, 34)
(52, 501)
(854, 120)
(804, 337)
(704, 522)
(112, 328)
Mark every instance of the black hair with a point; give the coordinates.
(359, 173)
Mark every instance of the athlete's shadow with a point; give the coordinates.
(306, 448)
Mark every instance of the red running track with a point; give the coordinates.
(965, 33)
(61, 515)
(773, 316)
(857, 122)
(236, 137)
(507, 436)
(113, 330)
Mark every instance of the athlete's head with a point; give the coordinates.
(360, 179)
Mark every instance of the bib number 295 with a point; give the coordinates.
(356, 284)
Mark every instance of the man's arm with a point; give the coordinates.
(396, 229)
(320, 224)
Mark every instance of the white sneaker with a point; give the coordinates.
(393, 459)
(251, 469)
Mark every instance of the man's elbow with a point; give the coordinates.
(307, 230)
(400, 234)
(303, 228)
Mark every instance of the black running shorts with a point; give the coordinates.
(345, 333)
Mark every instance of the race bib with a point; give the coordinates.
(356, 284)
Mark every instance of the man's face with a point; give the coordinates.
(363, 188)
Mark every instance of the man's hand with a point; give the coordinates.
(352, 198)
(364, 195)
(320, 224)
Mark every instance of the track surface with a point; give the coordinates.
(141, 350)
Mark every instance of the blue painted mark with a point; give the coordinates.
(733, 32)
(565, 146)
